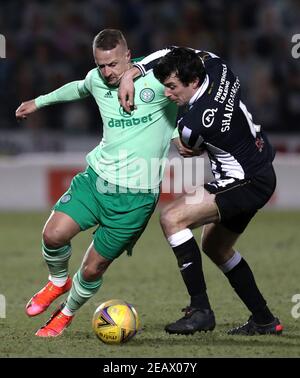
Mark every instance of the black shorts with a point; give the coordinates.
(239, 200)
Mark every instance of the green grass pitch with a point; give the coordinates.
(150, 280)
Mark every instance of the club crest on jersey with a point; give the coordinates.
(147, 95)
(208, 117)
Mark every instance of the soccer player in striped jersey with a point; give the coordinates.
(119, 189)
(216, 121)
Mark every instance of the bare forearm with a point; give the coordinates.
(126, 88)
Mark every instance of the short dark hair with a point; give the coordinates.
(182, 61)
(108, 39)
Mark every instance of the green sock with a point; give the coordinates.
(80, 292)
(57, 260)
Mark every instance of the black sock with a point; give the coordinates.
(190, 264)
(242, 280)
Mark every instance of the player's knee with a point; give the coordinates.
(168, 218)
(93, 272)
(53, 237)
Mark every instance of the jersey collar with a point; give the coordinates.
(200, 91)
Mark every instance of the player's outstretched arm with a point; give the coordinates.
(73, 91)
(25, 109)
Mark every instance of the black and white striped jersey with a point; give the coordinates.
(218, 121)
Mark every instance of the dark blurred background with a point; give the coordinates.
(49, 44)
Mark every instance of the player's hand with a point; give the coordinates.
(25, 109)
(126, 89)
(185, 151)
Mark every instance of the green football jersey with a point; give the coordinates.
(134, 146)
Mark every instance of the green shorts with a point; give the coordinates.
(122, 217)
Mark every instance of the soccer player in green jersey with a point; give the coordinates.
(120, 187)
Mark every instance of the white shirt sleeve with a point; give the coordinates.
(148, 63)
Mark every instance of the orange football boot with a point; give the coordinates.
(57, 323)
(42, 300)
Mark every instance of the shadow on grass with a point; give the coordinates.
(217, 338)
